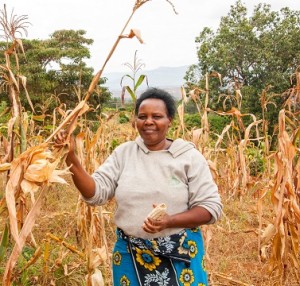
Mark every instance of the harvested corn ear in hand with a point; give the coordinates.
(158, 212)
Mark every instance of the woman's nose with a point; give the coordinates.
(148, 120)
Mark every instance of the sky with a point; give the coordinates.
(169, 38)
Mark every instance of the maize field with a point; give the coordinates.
(49, 236)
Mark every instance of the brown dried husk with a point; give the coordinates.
(285, 244)
(22, 180)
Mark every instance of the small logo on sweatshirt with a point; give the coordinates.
(173, 181)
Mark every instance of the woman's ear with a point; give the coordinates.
(133, 123)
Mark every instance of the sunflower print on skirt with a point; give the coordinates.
(147, 259)
(124, 281)
(117, 257)
(187, 277)
(159, 262)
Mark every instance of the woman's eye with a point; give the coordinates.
(144, 117)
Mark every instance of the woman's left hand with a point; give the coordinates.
(188, 219)
(153, 226)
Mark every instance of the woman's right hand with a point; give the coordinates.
(82, 180)
(61, 138)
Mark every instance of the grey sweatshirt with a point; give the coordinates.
(138, 178)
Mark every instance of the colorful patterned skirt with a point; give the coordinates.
(173, 260)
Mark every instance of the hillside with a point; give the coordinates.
(169, 78)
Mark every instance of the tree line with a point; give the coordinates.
(253, 53)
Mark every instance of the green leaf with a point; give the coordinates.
(39, 118)
(132, 94)
(139, 81)
(297, 136)
(4, 242)
(49, 127)
(28, 252)
(124, 76)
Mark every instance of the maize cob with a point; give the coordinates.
(158, 212)
(97, 278)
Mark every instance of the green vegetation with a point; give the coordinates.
(56, 73)
(123, 117)
(251, 53)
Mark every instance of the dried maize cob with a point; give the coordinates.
(158, 212)
(97, 278)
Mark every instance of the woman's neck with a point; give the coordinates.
(162, 145)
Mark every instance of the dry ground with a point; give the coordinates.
(232, 244)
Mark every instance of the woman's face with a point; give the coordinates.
(153, 123)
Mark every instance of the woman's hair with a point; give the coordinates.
(158, 94)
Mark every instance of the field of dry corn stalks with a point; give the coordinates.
(50, 237)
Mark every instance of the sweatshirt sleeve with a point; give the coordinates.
(203, 191)
(105, 177)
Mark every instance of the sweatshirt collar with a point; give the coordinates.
(178, 146)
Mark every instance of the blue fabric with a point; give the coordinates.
(185, 269)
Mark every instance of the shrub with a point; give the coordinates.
(192, 120)
(217, 123)
(123, 118)
(256, 161)
(4, 117)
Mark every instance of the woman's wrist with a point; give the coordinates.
(71, 158)
(170, 222)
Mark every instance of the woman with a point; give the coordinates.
(141, 174)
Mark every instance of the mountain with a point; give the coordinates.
(168, 78)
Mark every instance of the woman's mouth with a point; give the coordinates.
(149, 131)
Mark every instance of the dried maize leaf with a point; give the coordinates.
(55, 176)
(81, 108)
(97, 257)
(24, 82)
(183, 95)
(4, 167)
(21, 238)
(180, 110)
(134, 33)
(196, 135)
(12, 187)
(41, 171)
